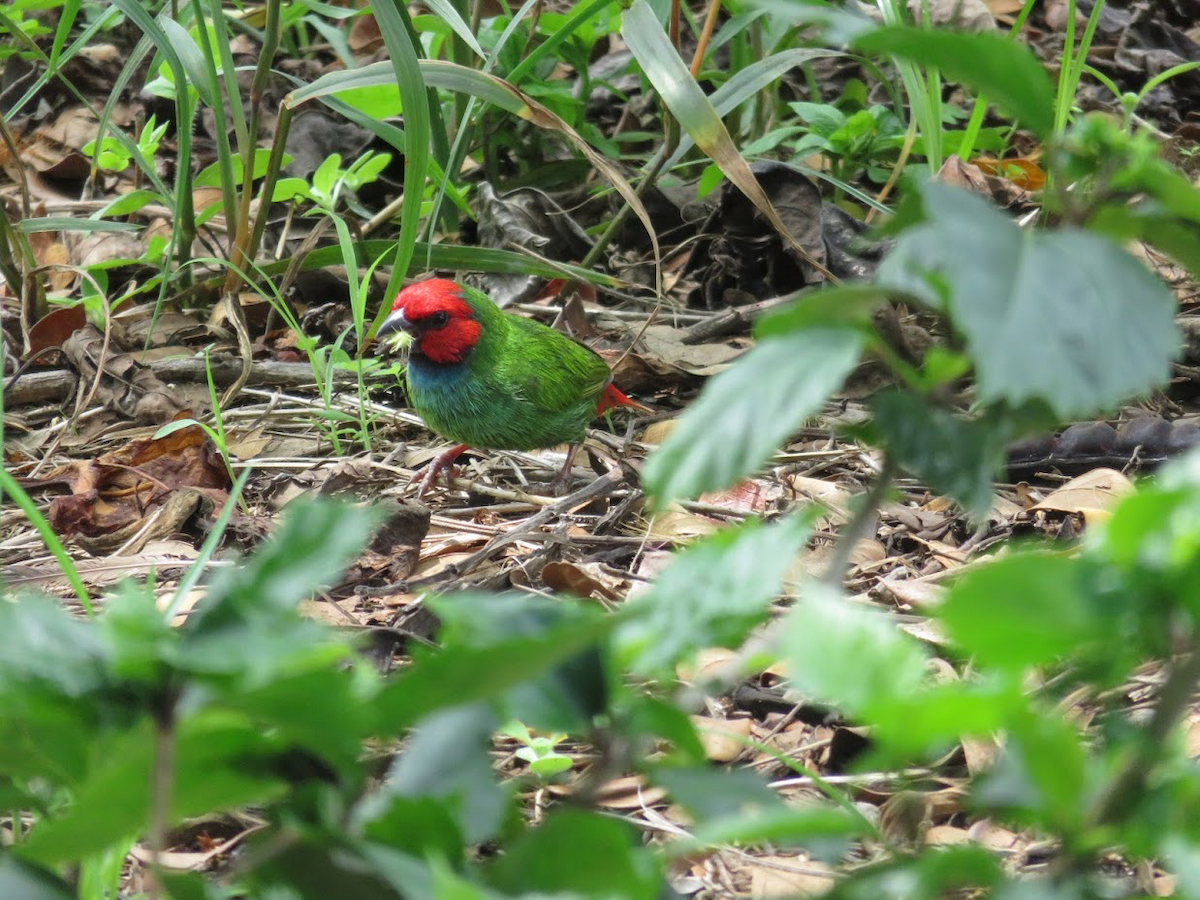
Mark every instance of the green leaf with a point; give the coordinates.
(19, 879)
(1042, 776)
(128, 203)
(749, 82)
(210, 176)
(843, 652)
(1023, 610)
(744, 414)
(565, 697)
(396, 28)
(311, 546)
(845, 304)
(190, 57)
(1068, 318)
(580, 852)
(447, 759)
(1005, 71)
(954, 455)
(65, 223)
(40, 642)
(459, 674)
(448, 14)
(218, 764)
(712, 594)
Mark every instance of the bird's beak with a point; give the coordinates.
(393, 323)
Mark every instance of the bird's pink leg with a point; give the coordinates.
(560, 482)
(444, 461)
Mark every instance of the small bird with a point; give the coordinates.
(493, 380)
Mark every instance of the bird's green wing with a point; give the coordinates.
(554, 372)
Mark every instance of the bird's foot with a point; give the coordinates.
(443, 462)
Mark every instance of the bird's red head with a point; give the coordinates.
(442, 323)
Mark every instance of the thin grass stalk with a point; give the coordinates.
(224, 148)
(244, 244)
(924, 93)
(283, 125)
(55, 63)
(458, 150)
(966, 146)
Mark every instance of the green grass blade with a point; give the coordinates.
(397, 33)
(578, 16)
(694, 111)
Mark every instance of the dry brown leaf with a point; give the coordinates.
(54, 328)
(630, 792)
(147, 481)
(752, 495)
(946, 835)
(248, 445)
(980, 753)
(676, 524)
(788, 876)
(1193, 738)
(664, 345)
(1097, 490)
(656, 432)
(705, 664)
(724, 740)
(917, 593)
(827, 493)
(569, 578)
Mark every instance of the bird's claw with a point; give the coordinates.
(443, 462)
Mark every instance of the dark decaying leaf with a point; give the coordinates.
(526, 218)
(120, 491)
(581, 853)
(746, 259)
(129, 388)
(54, 328)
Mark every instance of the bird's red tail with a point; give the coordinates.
(612, 398)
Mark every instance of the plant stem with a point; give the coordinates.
(855, 528)
(244, 245)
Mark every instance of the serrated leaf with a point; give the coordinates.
(1021, 611)
(954, 455)
(712, 595)
(447, 759)
(581, 853)
(745, 413)
(19, 879)
(845, 653)
(1068, 318)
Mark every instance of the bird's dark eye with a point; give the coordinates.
(439, 319)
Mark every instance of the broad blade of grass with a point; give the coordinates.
(457, 257)
(688, 104)
(448, 14)
(397, 33)
(746, 83)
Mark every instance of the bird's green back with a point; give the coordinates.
(539, 364)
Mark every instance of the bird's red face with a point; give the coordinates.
(441, 322)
